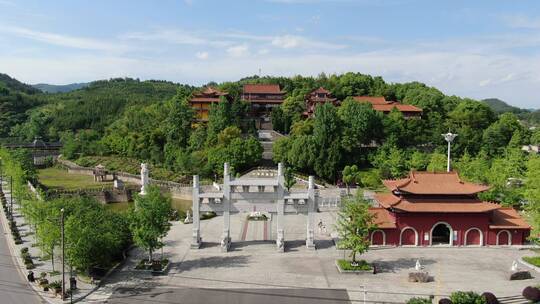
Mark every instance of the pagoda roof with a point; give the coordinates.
(321, 90)
(262, 89)
(383, 219)
(379, 103)
(507, 218)
(374, 100)
(400, 107)
(434, 183)
(434, 205)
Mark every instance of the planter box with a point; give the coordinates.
(352, 271)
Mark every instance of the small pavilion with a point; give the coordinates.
(318, 97)
(440, 209)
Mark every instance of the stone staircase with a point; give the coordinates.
(267, 138)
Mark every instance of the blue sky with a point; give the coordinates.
(477, 49)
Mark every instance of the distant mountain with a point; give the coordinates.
(529, 117)
(53, 88)
(16, 86)
(499, 106)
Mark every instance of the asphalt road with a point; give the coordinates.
(229, 296)
(14, 289)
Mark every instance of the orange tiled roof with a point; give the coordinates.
(435, 205)
(262, 89)
(383, 218)
(422, 182)
(321, 90)
(507, 218)
(400, 107)
(374, 100)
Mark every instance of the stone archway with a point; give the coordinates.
(408, 237)
(504, 238)
(378, 238)
(474, 237)
(441, 234)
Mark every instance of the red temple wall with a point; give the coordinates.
(461, 223)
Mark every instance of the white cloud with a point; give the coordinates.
(62, 40)
(521, 21)
(238, 51)
(292, 41)
(202, 55)
(175, 37)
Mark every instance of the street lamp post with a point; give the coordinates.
(11, 197)
(449, 137)
(63, 254)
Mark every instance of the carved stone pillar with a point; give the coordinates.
(311, 209)
(226, 236)
(196, 240)
(280, 205)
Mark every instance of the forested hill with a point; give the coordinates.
(16, 98)
(95, 106)
(52, 88)
(499, 106)
(530, 117)
(15, 85)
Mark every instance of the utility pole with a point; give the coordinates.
(449, 137)
(63, 256)
(11, 197)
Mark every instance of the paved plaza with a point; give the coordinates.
(254, 272)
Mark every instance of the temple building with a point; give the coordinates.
(439, 209)
(318, 97)
(379, 103)
(262, 98)
(201, 101)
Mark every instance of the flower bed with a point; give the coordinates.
(348, 266)
(159, 266)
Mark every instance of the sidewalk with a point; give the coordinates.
(41, 266)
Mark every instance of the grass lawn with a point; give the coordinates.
(533, 260)
(346, 265)
(56, 178)
(178, 204)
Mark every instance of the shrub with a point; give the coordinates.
(29, 265)
(18, 241)
(490, 298)
(419, 301)
(467, 297)
(24, 250)
(445, 301)
(531, 293)
(362, 265)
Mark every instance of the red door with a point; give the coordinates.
(473, 237)
(503, 238)
(408, 237)
(377, 238)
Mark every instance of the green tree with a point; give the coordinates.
(326, 139)
(290, 180)
(469, 119)
(354, 225)
(418, 161)
(437, 162)
(360, 124)
(532, 192)
(149, 220)
(178, 123)
(498, 135)
(351, 175)
(95, 237)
